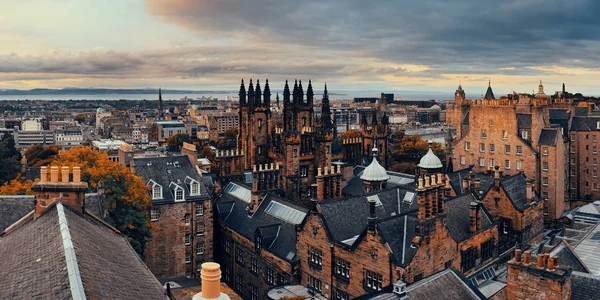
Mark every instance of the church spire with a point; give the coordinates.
(160, 102)
(286, 93)
(309, 94)
(267, 95)
(242, 94)
(257, 94)
(325, 111)
(250, 93)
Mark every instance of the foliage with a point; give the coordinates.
(127, 199)
(9, 159)
(407, 151)
(16, 187)
(348, 134)
(174, 143)
(231, 133)
(207, 153)
(80, 118)
(39, 155)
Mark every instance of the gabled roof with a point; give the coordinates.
(168, 171)
(347, 218)
(567, 257)
(584, 286)
(515, 188)
(524, 121)
(585, 123)
(62, 254)
(13, 208)
(457, 210)
(277, 227)
(399, 232)
(548, 137)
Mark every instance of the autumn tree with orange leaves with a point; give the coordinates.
(127, 199)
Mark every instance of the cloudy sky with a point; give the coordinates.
(350, 44)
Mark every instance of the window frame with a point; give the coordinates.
(154, 214)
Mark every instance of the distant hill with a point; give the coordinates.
(95, 91)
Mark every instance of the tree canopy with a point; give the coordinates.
(9, 159)
(174, 143)
(407, 151)
(39, 155)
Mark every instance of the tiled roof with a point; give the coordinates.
(457, 210)
(515, 188)
(13, 208)
(447, 283)
(45, 258)
(167, 172)
(548, 137)
(585, 123)
(398, 232)
(584, 286)
(524, 121)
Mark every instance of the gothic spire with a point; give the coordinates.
(309, 93)
(489, 94)
(267, 95)
(250, 93)
(257, 93)
(325, 110)
(286, 93)
(242, 93)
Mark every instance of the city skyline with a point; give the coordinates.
(352, 45)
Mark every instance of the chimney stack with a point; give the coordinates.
(65, 174)
(465, 185)
(43, 174)
(497, 177)
(473, 214)
(211, 283)
(372, 216)
(54, 174)
(529, 191)
(518, 256)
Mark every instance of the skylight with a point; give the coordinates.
(285, 213)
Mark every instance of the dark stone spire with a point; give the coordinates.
(489, 94)
(286, 93)
(267, 95)
(385, 120)
(160, 102)
(242, 94)
(325, 110)
(300, 92)
(257, 94)
(277, 100)
(309, 94)
(374, 120)
(250, 93)
(295, 94)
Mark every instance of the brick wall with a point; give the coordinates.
(529, 282)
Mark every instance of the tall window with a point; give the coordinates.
(507, 149)
(594, 161)
(544, 180)
(519, 165)
(504, 134)
(314, 283)
(227, 247)
(492, 148)
(187, 239)
(239, 255)
(254, 292)
(373, 280)
(469, 257)
(487, 249)
(271, 277)
(259, 125)
(595, 173)
(462, 160)
(481, 147)
(519, 150)
(491, 162)
(195, 188)
(483, 134)
(200, 229)
(507, 164)
(188, 258)
(187, 219)
(545, 151)
(154, 214)
(315, 256)
(594, 149)
(524, 135)
(482, 162)
(342, 268)
(239, 283)
(545, 166)
(467, 146)
(200, 248)
(254, 265)
(157, 192)
(199, 209)
(304, 171)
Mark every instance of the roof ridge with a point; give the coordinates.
(77, 290)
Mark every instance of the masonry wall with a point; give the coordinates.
(476, 241)
(557, 178)
(528, 282)
(585, 182)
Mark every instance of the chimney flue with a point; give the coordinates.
(473, 216)
(551, 265)
(555, 259)
(43, 174)
(518, 256)
(372, 216)
(527, 258)
(76, 175)
(540, 261)
(529, 190)
(65, 174)
(54, 174)
(211, 282)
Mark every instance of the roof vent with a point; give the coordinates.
(169, 171)
(400, 290)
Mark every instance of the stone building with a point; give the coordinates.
(181, 210)
(514, 132)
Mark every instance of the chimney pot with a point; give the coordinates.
(540, 261)
(420, 183)
(518, 256)
(339, 169)
(332, 170)
(54, 174)
(319, 172)
(65, 174)
(527, 258)
(76, 174)
(433, 183)
(551, 265)
(43, 174)
(211, 280)
(427, 182)
(546, 258)
(555, 258)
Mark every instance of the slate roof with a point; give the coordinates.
(585, 123)
(581, 111)
(279, 235)
(457, 211)
(399, 232)
(34, 263)
(567, 257)
(584, 286)
(347, 218)
(489, 94)
(524, 121)
(168, 170)
(560, 117)
(355, 187)
(548, 137)
(456, 178)
(13, 208)
(515, 188)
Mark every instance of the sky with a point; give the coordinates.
(352, 45)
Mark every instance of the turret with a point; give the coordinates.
(300, 92)
(242, 94)
(267, 95)
(286, 93)
(257, 94)
(295, 93)
(309, 94)
(325, 110)
(251, 93)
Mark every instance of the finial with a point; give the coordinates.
(489, 81)
(430, 144)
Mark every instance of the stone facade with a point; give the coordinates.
(528, 280)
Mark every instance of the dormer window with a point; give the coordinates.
(179, 194)
(177, 190)
(524, 135)
(195, 189)
(156, 190)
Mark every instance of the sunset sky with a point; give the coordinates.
(350, 44)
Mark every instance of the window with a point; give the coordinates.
(519, 165)
(545, 151)
(195, 188)
(573, 185)
(187, 219)
(448, 264)
(491, 122)
(462, 160)
(373, 280)
(545, 166)
(315, 256)
(227, 273)
(483, 134)
(418, 277)
(200, 248)
(199, 209)
(593, 138)
(200, 229)
(271, 277)
(481, 147)
(282, 279)
(227, 247)
(467, 146)
(504, 135)
(505, 226)
(157, 192)
(572, 137)
(314, 283)
(544, 195)
(259, 125)
(239, 283)
(254, 292)
(179, 194)
(303, 171)
(572, 149)
(253, 265)
(188, 258)
(595, 173)
(239, 255)
(469, 258)
(519, 150)
(507, 149)
(154, 214)
(492, 148)
(342, 268)
(507, 164)
(544, 180)
(482, 162)
(595, 186)
(339, 294)
(491, 162)
(524, 135)
(487, 249)
(594, 149)
(594, 161)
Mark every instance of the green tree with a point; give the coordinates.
(174, 143)
(408, 151)
(10, 159)
(39, 155)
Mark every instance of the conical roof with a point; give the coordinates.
(374, 172)
(430, 160)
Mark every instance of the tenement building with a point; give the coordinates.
(181, 213)
(515, 133)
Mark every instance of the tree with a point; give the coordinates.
(127, 198)
(408, 151)
(39, 155)
(80, 118)
(231, 133)
(174, 143)
(10, 159)
(349, 134)
(16, 187)
(207, 153)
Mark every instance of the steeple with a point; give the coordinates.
(242, 94)
(325, 110)
(300, 92)
(250, 93)
(489, 94)
(267, 95)
(160, 102)
(277, 100)
(286, 93)
(295, 93)
(309, 94)
(460, 93)
(257, 94)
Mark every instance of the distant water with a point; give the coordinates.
(406, 95)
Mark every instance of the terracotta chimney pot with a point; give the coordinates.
(555, 258)
(65, 174)
(527, 258)
(54, 174)
(76, 175)
(518, 256)
(540, 261)
(551, 265)
(43, 174)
